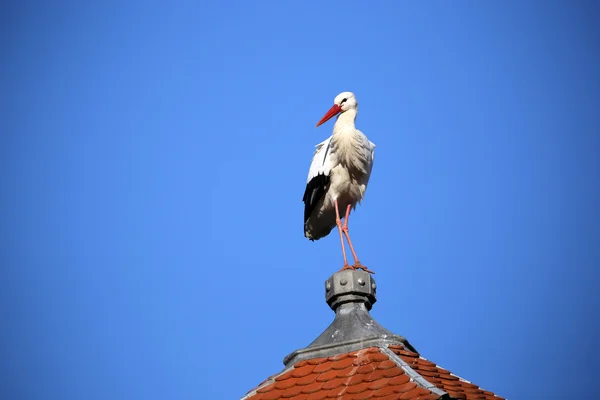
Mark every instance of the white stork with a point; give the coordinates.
(338, 175)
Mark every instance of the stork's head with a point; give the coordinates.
(343, 102)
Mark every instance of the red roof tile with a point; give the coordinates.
(366, 374)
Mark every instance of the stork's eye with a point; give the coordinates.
(343, 101)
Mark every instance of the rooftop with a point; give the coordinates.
(356, 358)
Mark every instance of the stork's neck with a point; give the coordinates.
(344, 119)
(347, 143)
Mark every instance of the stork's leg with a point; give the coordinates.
(357, 263)
(338, 222)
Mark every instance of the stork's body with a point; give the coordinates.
(338, 175)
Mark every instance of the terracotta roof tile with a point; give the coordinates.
(367, 394)
(285, 375)
(378, 357)
(357, 378)
(327, 376)
(378, 384)
(386, 391)
(316, 361)
(392, 396)
(292, 391)
(320, 395)
(332, 384)
(415, 393)
(366, 374)
(343, 364)
(387, 364)
(346, 372)
(302, 371)
(288, 383)
(333, 393)
(406, 387)
(449, 384)
(366, 368)
(312, 388)
(306, 380)
(272, 395)
(323, 367)
(399, 380)
(338, 357)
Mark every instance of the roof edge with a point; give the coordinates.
(332, 349)
(269, 381)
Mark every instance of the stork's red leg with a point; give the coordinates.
(338, 222)
(357, 263)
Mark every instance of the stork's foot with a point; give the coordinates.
(358, 265)
(346, 266)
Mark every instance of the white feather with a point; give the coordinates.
(321, 162)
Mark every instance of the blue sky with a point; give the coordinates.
(154, 156)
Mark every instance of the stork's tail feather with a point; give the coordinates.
(312, 234)
(308, 235)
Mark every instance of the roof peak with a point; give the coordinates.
(355, 357)
(350, 294)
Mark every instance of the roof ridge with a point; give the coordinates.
(412, 374)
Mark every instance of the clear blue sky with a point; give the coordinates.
(153, 158)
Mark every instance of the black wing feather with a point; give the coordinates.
(315, 190)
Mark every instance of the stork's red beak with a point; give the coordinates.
(333, 111)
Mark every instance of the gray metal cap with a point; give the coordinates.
(351, 294)
(350, 286)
